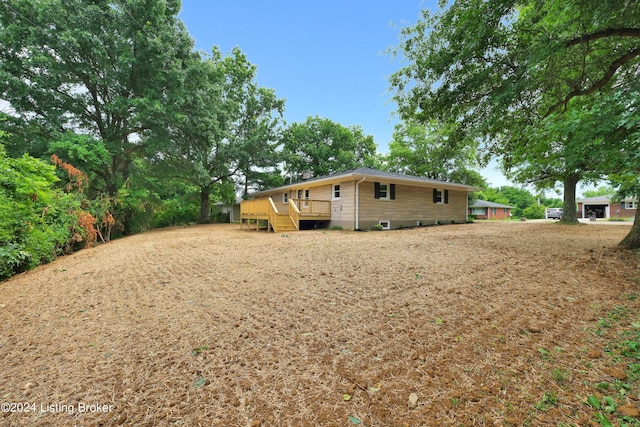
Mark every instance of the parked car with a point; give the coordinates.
(554, 213)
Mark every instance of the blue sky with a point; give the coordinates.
(326, 58)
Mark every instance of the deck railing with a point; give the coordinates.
(294, 213)
(273, 215)
(297, 209)
(308, 207)
(257, 207)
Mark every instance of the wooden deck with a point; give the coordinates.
(280, 217)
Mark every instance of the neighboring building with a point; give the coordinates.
(233, 211)
(603, 207)
(358, 199)
(490, 210)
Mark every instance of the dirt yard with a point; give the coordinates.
(493, 324)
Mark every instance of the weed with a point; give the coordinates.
(549, 399)
(560, 375)
(196, 351)
(336, 227)
(545, 354)
(619, 312)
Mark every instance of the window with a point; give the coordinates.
(385, 223)
(299, 194)
(306, 194)
(629, 205)
(493, 211)
(285, 198)
(384, 191)
(478, 211)
(336, 192)
(440, 196)
(506, 211)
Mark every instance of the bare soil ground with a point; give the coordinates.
(491, 324)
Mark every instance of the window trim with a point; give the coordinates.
(387, 221)
(285, 197)
(390, 191)
(441, 194)
(333, 192)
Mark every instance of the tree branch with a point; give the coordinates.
(603, 34)
(606, 78)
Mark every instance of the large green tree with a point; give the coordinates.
(226, 127)
(103, 69)
(431, 152)
(323, 147)
(504, 69)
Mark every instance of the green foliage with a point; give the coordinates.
(226, 128)
(36, 221)
(176, 211)
(520, 198)
(431, 151)
(549, 399)
(534, 212)
(325, 147)
(103, 68)
(603, 190)
(134, 208)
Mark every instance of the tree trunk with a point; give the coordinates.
(632, 240)
(204, 205)
(570, 183)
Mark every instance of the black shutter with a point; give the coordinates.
(376, 189)
(435, 195)
(446, 196)
(392, 191)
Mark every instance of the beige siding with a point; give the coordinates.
(412, 204)
(343, 209)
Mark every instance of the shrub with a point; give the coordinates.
(534, 212)
(36, 220)
(176, 211)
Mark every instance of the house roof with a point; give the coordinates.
(486, 204)
(602, 200)
(372, 174)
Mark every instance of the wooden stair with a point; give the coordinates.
(284, 223)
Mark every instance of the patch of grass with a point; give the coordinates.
(560, 375)
(623, 349)
(549, 399)
(196, 351)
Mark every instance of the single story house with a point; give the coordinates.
(603, 207)
(358, 199)
(483, 209)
